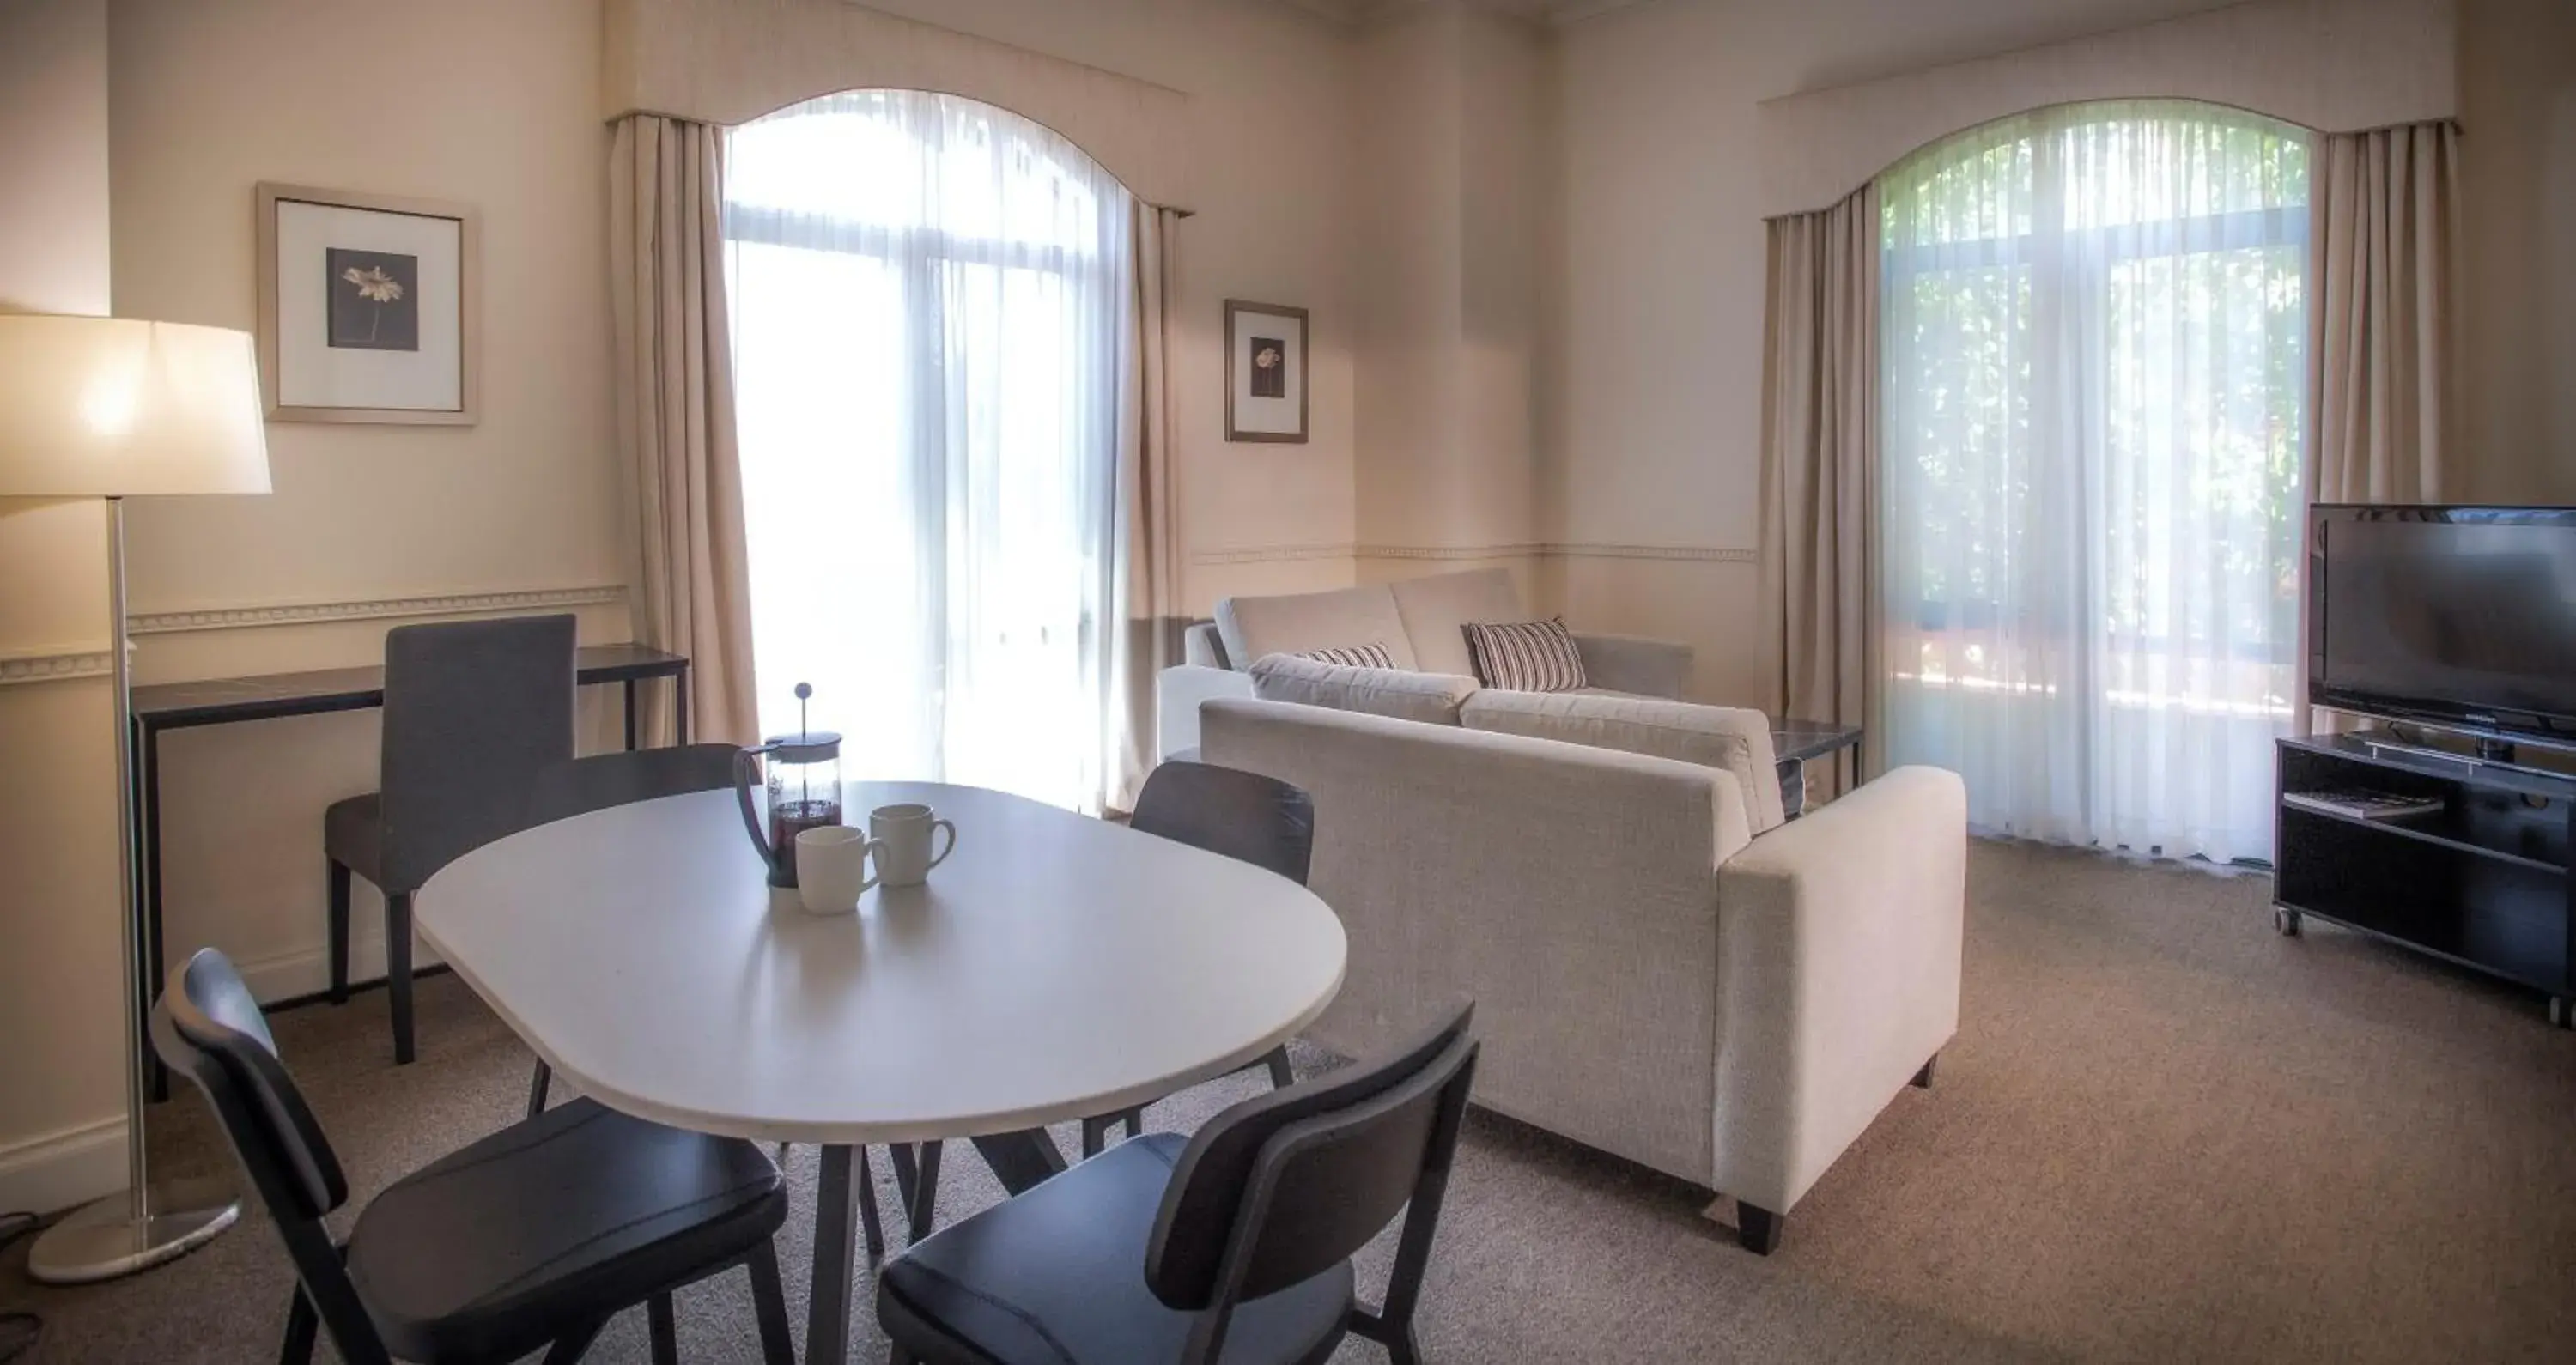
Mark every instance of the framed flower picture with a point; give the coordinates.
(1265, 372)
(368, 307)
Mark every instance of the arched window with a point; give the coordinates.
(932, 317)
(2093, 395)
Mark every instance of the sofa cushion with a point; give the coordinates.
(1371, 655)
(1526, 656)
(1254, 626)
(1737, 741)
(1436, 608)
(1432, 698)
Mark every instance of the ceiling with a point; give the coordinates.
(1545, 11)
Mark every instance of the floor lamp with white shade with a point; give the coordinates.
(115, 408)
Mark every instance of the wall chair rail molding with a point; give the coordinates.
(373, 608)
(53, 663)
(73, 662)
(1535, 549)
(1559, 549)
(1270, 554)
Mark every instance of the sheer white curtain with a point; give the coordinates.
(2093, 374)
(933, 330)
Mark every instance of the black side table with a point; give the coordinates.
(1793, 742)
(163, 707)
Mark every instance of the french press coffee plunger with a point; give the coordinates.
(802, 790)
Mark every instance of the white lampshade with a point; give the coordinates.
(115, 407)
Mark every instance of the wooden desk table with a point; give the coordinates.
(163, 707)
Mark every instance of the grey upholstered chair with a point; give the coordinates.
(1233, 1244)
(474, 711)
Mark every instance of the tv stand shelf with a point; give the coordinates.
(2483, 882)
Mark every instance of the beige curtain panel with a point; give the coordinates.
(675, 414)
(1820, 450)
(1149, 512)
(2383, 246)
(2383, 267)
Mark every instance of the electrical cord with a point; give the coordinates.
(18, 1331)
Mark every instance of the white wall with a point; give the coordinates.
(61, 1089)
(2518, 212)
(1456, 217)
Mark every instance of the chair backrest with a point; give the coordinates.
(1246, 816)
(474, 710)
(209, 1030)
(579, 785)
(1280, 1188)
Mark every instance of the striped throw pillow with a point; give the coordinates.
(1371, 655)
(1525, 656)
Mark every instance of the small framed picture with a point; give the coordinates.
(1265, 372)
(368, 307)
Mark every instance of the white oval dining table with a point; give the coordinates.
(1055, 967)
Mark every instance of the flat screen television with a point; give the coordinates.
(2461, 616)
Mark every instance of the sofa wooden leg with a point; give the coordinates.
(1758, 1229)
(1923, 1078)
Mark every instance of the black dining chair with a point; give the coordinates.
(532, 1238)
(474, 710)
(1233, 1244)
(577, 786)
(1245, 816)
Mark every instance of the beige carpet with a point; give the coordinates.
(2163, 1134)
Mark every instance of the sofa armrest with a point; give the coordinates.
(1628, 663)
(1177, 694)
(1201, 645)
(1838, 976)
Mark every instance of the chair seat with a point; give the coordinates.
(1057, 1277)
(353, 835)
(485, 1254)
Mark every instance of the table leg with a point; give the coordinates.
(919, 1186)
(630, 715)
(1021, 1160)
(827, 1322)
(146, 796)
(680, 706)
(1793, 788)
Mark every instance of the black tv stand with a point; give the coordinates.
(2483, 881)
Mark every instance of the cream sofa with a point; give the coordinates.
(1417, 620)
(1664, 967)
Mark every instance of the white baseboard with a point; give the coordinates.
(58, 1170)
(307, 971)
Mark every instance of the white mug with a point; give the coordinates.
(832, 868)
(903, 833)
